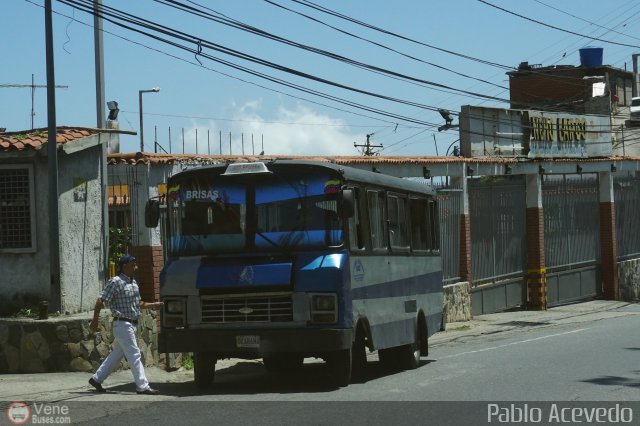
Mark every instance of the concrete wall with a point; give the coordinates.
(81, 247)
(24, 277)
(629, 280)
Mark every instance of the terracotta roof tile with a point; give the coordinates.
(37, 138)
(153, 158)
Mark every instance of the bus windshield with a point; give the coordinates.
(275, 212)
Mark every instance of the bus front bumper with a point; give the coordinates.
(254, 342)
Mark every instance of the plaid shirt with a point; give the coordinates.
(123, 296)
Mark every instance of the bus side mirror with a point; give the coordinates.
(348, 203)
(152, 214)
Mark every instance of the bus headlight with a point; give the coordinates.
(324, 308)
(174, 306)
(174, 312)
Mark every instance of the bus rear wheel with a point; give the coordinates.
(340, 366)
(204, 368)
(405, 357)
(408, 356)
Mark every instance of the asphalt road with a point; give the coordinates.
(575, 360)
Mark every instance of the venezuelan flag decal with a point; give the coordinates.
(332, 186)
(173, 192)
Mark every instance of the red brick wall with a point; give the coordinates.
(608, 253)
(536, 270)
(150, 263)
(465, 248)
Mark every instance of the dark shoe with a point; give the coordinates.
(148, 391)
(96, 385)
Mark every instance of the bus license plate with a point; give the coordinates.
(248, 341)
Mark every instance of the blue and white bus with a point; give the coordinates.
(289, 259)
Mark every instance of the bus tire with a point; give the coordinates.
(408, 356)
(204, 368)
(282, 363)
(359, 353)
(388, 359)
(341, 366)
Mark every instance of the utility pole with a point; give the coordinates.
(368, 151)
(52, 164)
(33, 88)
(634, 87)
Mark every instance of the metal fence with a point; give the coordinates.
(571, 219)
(449, 211)
(497, 210)
(627, 205)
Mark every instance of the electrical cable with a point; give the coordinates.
(556, 28)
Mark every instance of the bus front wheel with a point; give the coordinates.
(340, 365)
(204, 368)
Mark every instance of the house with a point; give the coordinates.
(590, 88)
(25, 258)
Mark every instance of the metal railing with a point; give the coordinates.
(627, 205)
(571, 219)
(449, 211)
(497, 210)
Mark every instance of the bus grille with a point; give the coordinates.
(247, 309)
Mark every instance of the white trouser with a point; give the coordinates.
(124, 345)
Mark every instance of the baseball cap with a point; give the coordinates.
(127, 258)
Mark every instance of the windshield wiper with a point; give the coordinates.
(269, 240)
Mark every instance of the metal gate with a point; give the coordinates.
(627, 198)
(449, 211)
(571, 237)
(497, 210)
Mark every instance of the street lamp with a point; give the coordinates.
(140, 92)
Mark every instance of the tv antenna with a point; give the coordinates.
(33, 87)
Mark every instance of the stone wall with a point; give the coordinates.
(629, 280)
(457, 303)
(65, 343)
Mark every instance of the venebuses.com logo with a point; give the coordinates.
(18, 413)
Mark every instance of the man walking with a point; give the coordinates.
(123, 297)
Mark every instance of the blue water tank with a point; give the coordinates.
(591, 56)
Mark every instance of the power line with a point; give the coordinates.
(319, 94)
(381, 30)
(350, 61)
(556, 28)
(255, 121)
(585, 20)
(383, 46)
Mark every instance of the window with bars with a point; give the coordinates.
(17, 230)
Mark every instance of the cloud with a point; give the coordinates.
(297, 131)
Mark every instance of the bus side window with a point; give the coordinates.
(375, 202)
(356, 235)
(419, 224)
(434, 226)
(398, 227)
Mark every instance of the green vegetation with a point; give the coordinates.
(187, 362)
(119, 243)
(460, 328)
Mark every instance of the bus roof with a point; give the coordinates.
(349, 174)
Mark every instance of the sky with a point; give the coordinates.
(430, 55)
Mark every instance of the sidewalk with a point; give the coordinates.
(73, 386)
(518, 320)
